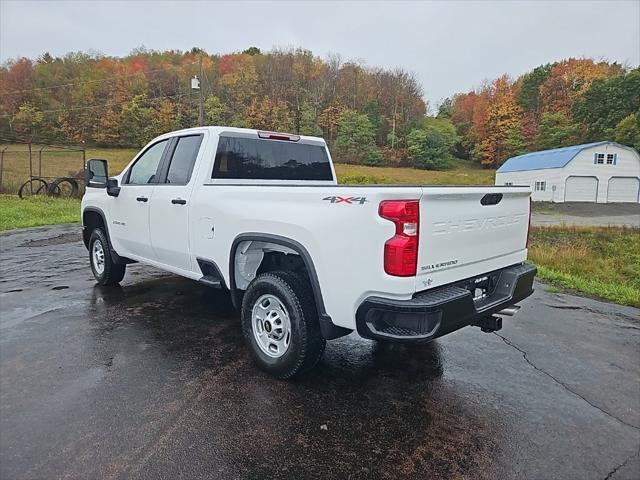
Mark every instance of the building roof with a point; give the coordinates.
(555, 158)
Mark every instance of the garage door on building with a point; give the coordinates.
(581, 189)
(623, 189)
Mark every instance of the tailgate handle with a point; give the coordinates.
(491, 199)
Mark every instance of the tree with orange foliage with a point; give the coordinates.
(268, 115)
(570, 79)
(328, 120)
(503, 128)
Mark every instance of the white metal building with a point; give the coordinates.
(603, 172)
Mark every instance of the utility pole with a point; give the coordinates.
(195, 85)
(201, 113)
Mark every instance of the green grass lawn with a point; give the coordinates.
(37, 211)
(600, 262)
(463, 173)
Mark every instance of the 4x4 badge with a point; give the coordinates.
(349, 200)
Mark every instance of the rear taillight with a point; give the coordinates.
(529, 226)
(401, 251)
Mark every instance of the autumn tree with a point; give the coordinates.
(268, 115)
(309, 121)
(429, 148)
(555, 131)
(135, 122)
(606, 103)
(27, 121)
(329, 119)
(569, 79)
(239, 80)
(528, 95)
(502, 125)
(627, 131)
(215, 111)
(355, 142)
(163, 119)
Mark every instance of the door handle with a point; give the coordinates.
(142, 199)
(178, 201)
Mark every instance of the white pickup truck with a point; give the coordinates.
(260, 215)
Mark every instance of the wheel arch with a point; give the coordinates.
(329, 330)
(93, 217)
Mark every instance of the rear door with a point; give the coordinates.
(469, 231)
(169, 211)
(129, 211)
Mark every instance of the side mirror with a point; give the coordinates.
(113, 190)
(95, 173)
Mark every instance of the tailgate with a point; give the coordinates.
(470, 231)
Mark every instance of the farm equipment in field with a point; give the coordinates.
(56, 187)
(63, 177)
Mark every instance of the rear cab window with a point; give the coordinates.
(183, 159)
(245, 158)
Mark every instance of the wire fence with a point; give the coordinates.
(41, 169)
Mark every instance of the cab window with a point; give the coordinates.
(145, 169)
(183, 159)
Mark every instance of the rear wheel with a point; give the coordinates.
(105, 271)
(280, 324)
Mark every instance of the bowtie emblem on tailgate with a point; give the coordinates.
(347, 200)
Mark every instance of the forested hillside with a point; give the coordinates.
(554, 105)
(368, 115)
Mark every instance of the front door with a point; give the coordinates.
(169, 211)
(129, 211)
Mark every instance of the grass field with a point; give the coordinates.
(37, 211)
(60, 163)
(54, 163)
(463, 173)
(600, 262)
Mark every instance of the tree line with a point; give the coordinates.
(365, 113)
(371, 116)
(554, 105)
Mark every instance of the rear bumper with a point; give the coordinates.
(437, 312)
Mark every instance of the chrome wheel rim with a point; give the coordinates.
(97, 256)
(271, 326)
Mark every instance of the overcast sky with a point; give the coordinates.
(450, 46)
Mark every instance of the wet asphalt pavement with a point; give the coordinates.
(586, 214)
(151, 380)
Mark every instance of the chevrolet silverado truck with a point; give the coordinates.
(261, 216)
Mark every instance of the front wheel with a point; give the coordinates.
(105, 270)
(280, 324)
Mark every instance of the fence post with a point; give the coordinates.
(40, 160)
(2, 165)
(30, 171)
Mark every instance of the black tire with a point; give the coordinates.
(64, 187)
(306, 343)
(32, 187)
(111, 273)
